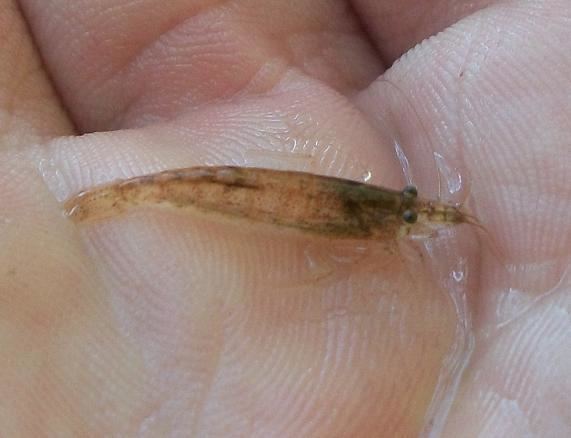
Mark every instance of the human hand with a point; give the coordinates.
(157, 323)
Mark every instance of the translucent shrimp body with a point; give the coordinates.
(316, 204)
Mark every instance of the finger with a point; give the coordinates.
(448, 83)
(396, 26)
(502, 118)
(54, 324)
(115, 70)
(520, 369)
(280, 82)
(29, 109)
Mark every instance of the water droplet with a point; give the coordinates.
(403, 162)
(451, 177)
(366, 176)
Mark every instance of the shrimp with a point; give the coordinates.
(319, 205)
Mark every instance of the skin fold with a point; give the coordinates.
(157, 323)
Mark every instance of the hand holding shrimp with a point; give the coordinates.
(162, 324)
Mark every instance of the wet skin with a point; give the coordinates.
(156, 322)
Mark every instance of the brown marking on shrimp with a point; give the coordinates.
(316, 204)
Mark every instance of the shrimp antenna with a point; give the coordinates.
(424, 129)
(494, 246)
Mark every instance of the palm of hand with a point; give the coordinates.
(157, 323)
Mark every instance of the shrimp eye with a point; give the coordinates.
(409, 216)
(409, 192)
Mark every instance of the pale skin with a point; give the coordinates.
(157, 323)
